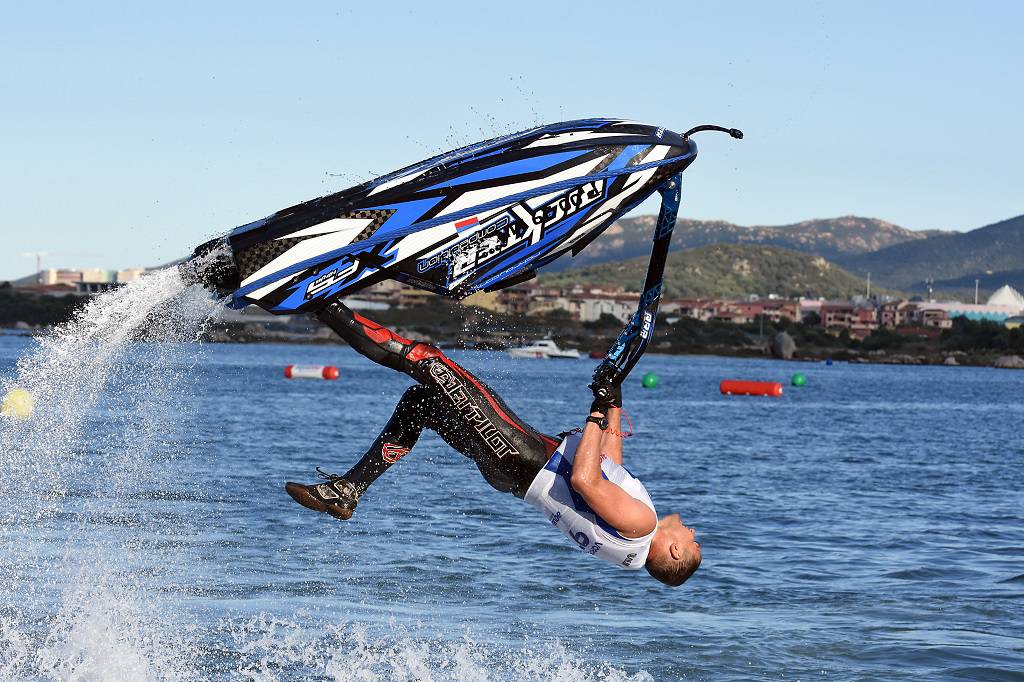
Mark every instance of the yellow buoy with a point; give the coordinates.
(18, 403)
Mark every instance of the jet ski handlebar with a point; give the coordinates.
(734, 132)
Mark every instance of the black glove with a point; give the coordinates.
(606, 396)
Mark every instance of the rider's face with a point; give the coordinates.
(680, 536)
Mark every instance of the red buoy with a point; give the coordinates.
(329, 372)
(739, 387)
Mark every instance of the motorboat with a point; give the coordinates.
(545, 348)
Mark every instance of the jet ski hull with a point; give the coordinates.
(481, 217)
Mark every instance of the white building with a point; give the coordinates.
(591, 309)
(1007, 296)
(95, 276)
(51, 276)
(129, 275)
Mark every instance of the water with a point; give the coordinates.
(867, 526)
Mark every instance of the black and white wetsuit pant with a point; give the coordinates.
(449, 400)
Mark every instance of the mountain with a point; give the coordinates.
(829, 238)
(987, 283)
(989, 249)
(725, 271)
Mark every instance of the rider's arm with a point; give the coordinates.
(611, 444)
(625, 513)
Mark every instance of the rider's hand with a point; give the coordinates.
(606, 396)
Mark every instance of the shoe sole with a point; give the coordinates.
(299, 493)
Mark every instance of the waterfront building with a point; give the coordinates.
(95, 276)
(74, 280)
(895, 313)
(51, 276)
(697, 308)
(810, 306)
(733, 316)
(128, 275)
(863, 321)
(976, 312)
(773, 309)
(932, 317)
(590, 308)
(836, 314)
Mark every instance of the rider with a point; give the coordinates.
(577, 481)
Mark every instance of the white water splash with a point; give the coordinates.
(81, 602)
(69, 369)
(104, 386)
(271, 649)
(105, 632)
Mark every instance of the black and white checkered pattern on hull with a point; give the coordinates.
(252, 259)
(378, 216)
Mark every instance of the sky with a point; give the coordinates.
(131, 132)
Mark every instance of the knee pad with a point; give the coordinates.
(422, 351)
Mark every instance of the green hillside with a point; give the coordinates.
(829, 238)
(727, 271)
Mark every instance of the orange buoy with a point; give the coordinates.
(738, 387)
(329, 372)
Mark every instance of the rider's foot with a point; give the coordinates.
(336, 497)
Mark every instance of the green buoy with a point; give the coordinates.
(650, 380)
(798, 379)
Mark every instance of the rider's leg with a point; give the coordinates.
(429, 366)
(509, 458)
(396, 439)
(377, 342)
(338, 495)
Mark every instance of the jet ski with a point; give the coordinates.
(482, 217)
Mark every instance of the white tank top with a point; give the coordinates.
(552, 493)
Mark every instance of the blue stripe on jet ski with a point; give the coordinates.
(406, 213)
(626, 154)
(518, 167)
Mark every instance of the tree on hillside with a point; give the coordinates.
(36, 309)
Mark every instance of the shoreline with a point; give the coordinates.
(807, 355)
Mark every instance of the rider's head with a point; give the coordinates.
(674, 554)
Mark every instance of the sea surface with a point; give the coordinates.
(867, 526)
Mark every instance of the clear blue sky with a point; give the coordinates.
(133, 131)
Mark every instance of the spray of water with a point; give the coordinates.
(104, 385)
(274, 648)
(83, 595)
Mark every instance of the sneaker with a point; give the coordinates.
(336, 497)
